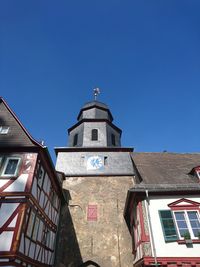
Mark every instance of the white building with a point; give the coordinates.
(30, 196)
(163, 210)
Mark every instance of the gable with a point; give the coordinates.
(184, 203)
(16, 135)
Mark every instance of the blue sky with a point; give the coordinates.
(144, 55)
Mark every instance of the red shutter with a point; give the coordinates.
(92, 213)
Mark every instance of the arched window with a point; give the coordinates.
(94, 135)
(113, 140)
(75, 141)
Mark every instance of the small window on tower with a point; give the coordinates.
(113, 140)
(94, 134)
(75, 142)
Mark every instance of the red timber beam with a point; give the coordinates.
(31, 200)
(20, 211)
(20, 257)
(144, 235)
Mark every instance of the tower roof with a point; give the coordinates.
(95, 105)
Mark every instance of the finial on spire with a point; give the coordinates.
(96, 93)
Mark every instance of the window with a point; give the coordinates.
(94, 135)
(105, 160)
(113, 140)
(35, 228)
(46, 236)
(40, 176)
(11, 166)
(168, 226)
(187, 221)
(75, 142)
(53, 197)
(4, 129)
(178, 224)
(30, 224)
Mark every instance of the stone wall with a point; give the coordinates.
(101, 236)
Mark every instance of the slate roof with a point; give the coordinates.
(166, 168)
(98, 105)
(95, 103)
(17, 134)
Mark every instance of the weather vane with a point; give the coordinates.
(96, 93)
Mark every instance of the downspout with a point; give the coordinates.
(151, 229)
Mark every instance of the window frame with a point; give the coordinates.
(6, 164)
(94, 135)
(168, 238)
(188, 222)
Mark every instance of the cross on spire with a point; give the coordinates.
(96, 93)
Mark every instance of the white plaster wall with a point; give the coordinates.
(3, 182)
(170, 249)
(6, 211)
(6, 241)
(18, 185)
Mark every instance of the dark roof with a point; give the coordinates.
(19, 139)
(166, 168)
(165, 188)
(95, 104)
(17, 134)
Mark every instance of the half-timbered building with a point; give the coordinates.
(163, 210)
(30, 196)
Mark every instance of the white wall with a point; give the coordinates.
(170, 249)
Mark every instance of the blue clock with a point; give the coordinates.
(94, 163)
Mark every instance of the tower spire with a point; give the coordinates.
(96, 93)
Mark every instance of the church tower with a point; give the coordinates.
(98, 173)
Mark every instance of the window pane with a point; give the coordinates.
(11, 166)
(194, 222)
(196, 232)
(165, 214)
(183, 232)
(168, 225)
(4, 129)
(179, 215)
(94, 134)
(192, 215)
(181, 223)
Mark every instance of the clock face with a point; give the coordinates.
(94, 163)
